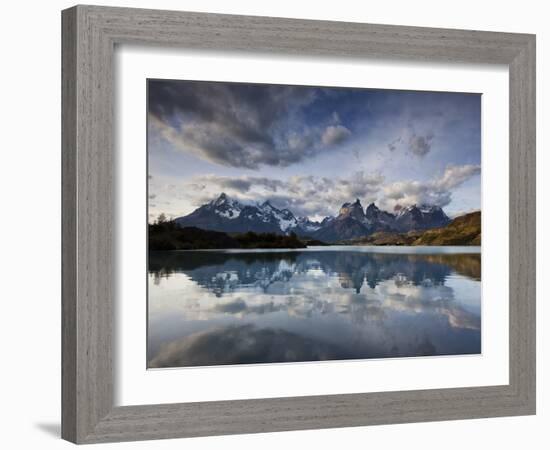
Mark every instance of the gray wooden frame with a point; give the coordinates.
(90, 34)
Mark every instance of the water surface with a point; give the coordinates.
(321, 303)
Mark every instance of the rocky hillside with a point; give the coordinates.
(464, 230)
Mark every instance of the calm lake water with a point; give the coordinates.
(320, 303)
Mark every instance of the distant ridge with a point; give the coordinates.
(352, 221)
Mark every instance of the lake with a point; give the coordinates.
(221, 307)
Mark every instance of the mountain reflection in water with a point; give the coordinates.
(216, 307)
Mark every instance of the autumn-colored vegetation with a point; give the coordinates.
(464, 230)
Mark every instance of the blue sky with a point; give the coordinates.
(310, 149)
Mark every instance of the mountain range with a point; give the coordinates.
(352, 221)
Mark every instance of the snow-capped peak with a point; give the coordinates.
(427, 209)
(308, 225)
(284, 217)
(220, 200)
(405, 209)
(226, 207)
(266, 206)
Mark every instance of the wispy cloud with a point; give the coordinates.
(317, 197)
(303, 195)
(434, 192)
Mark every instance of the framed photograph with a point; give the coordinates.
(278, 224)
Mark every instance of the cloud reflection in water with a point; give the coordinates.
(210, 308)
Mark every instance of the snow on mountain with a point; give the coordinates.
(427, 209)
(230, 215)
(308, 225)
(284, 217)
(226, 207)
(421, 218)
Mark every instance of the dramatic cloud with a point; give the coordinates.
(435, 192)
(310, 149)
(237, 184)
(242, 125)
(300, 194)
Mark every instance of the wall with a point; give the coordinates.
(30, 229)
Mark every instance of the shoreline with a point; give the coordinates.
(397, 249)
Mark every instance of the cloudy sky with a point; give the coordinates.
(310, 149)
